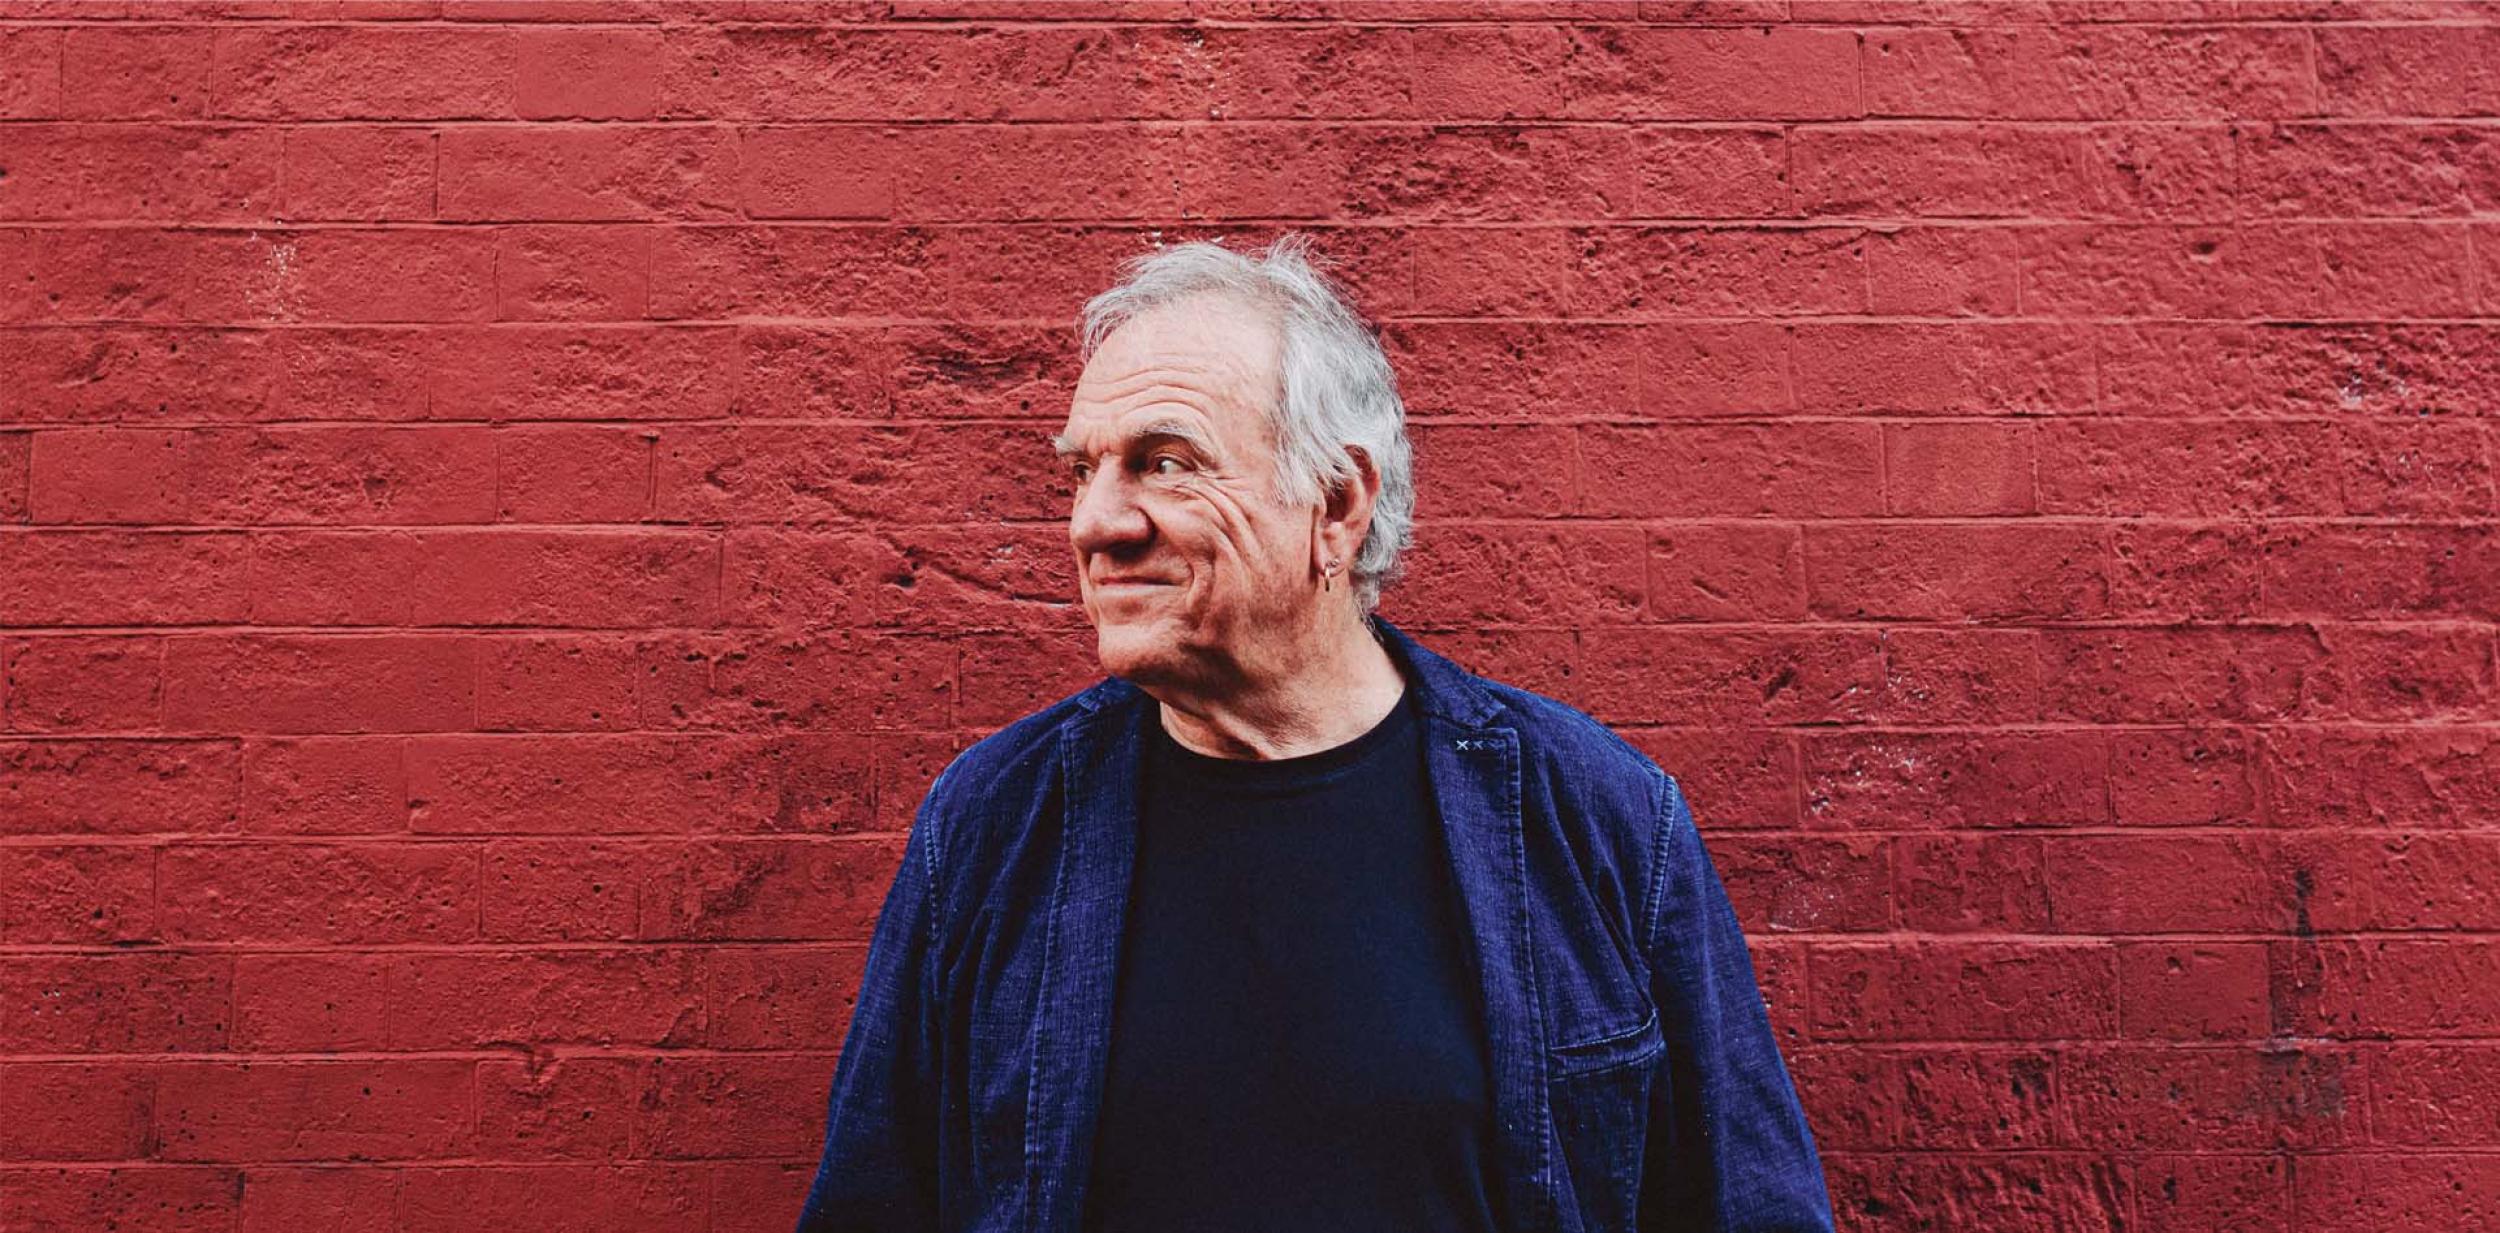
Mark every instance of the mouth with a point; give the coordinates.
(1123, 593)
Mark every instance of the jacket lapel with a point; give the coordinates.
(1474, 769)
(1099, 754)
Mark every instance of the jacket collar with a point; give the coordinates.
(1474, 768)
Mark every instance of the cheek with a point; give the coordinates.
(1225, 526)
(1195, 521)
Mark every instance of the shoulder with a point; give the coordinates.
(1559, 738)
(983, 802)
(1606, 802)
(1015, 758)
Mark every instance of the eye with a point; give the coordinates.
(1174, 459)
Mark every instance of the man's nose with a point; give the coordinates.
(1107, 515)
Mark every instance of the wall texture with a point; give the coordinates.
(504, 507)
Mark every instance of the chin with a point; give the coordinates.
(1133, 648)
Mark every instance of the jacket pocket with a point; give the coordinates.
(1622, 1048)
(1600, 1089)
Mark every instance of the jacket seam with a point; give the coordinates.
(1541, 1195)
(1038, 1182)
(1039, 1194)
(1663, 791)
(931, 854)
(933, 999)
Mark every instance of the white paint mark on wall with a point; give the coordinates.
(278, 295)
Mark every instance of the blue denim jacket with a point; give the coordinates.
(1637, 1085)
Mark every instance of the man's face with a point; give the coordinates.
(1185, 561)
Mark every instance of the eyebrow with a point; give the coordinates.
(1168, 426)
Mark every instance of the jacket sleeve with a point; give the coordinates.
(879, 1169)
(1728, 1149)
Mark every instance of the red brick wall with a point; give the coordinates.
(505, 506)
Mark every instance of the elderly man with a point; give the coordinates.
(1291, 924)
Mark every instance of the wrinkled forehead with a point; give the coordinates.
(1216, 346)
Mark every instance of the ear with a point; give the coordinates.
(1346, 513)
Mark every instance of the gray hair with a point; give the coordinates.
(1338, 389)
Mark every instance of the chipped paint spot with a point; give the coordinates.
(279, 295)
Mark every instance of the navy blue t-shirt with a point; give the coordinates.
(1297, 1038)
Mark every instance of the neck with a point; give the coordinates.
(1318, 694)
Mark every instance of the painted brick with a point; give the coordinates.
(1474, 574)
(1971, 883)
(125, 1002)
(138, 172)
(1790, 470)
(558, 683)
(1961, 676)
(324, 785)
(704, 1106)
(285, 683)
(2048, 72)
(571, 272)
(116, 787)
(1915, 368)
(568, 997)
(1947, 780)
(74, 1111)
(307, 1002)
(1961, 990)
(550, 890)
(2019, 1192)
(569, 1108)
(355, 72)
(137, 73)
(1808, 883)
(149, 1199)
(1517, 371)
(1733, 777)
(2408, 1190)
(1944, 271)
(601, 173)
(779, 997)
(2178, 1192)
(325, 893)
(358, 173)
(507, 506)
(85, 684)
(278, 1198)
(30, 72)
(76, 895)
(2226, 1097)
(1708, 571)
(636, 1196)
(593, 74)
(1687, 676)
(764, 889)
(315, 1110)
